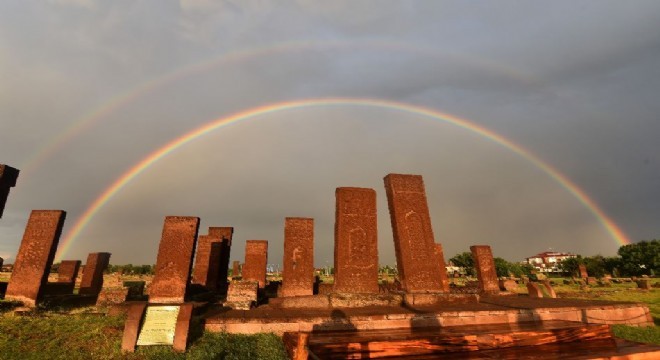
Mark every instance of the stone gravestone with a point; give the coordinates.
(8, 177)
(548, 287)
(235, 269)
(583, 271)
(414, 245)
(485, 267)
(35, 256)
(440, 255)
(66, 278)
(534, 290)
(242, 294)
(356, 241)
(207, 262)
(256, 260)
(92, 277)
(225, 234)
(298, 272)
(174, 261)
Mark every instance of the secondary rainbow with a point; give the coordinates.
(610, 226)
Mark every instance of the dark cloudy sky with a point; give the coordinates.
(89, 88)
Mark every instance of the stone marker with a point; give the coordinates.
(225, 234)
(440, 255)
(298, 272)
(414, 245)
(132, 326)
(356, 241)
(8, 177)
(242, 294)
(235, 269)
(534, 290)
(485, 267)
(207, 262)
(68, 271)
(174, 262)
(256, 260)
(92, 277)
(550, 290)
(583, 271)
(112, 296)
(508, 285)
(644, 284)
(35, 256)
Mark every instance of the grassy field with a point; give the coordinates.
(82, 334)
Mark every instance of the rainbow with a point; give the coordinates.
(103, 110)
(213, 125)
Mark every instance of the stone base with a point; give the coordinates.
(425, 299)
(239, 305)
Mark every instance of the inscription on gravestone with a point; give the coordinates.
(298, 272)
(356, 241)
(159, 325)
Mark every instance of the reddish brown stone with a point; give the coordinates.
(534, 290)
(1, 262)
(440, 255)
(182, 327)
(92, 277)
(207, 262)
(583, 271)
(68, 271)
(418, 265)
(298, 272)
(242, 294)
(112, 296)
(236, 269)
(225, 234)
(174, 262)
(508, 285)
(356, 241)
(35, 256)
(548, 287)
(132, 326)
(256, 260)
(485, 267)
(8, 177)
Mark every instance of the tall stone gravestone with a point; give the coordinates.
(8, 177)
(35, 256)
(298, 272)
(67, 273)
(207, 262)
(236, 269)
(356, 241)
(174, 262)
(92, 277)
(256, 260)
(440, 255)
(583, 271)
(418, 265)
(225, 234)
(485, 267)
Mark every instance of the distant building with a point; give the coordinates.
(546, 262)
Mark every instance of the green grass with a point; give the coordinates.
(48, 335)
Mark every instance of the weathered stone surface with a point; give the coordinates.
(182, 327)
(256, 260)
(225, 234)
(1, 262)
(207, 262)
(583, 271)
(135, 289)
(235, 269)
(644, 284)
(8, 177)
(174, 261)
(508, 285)
(418, 265)
(132, 326)
(68, 271)
(592, 281)
(356, 241)
(112, 296)
(92, 277)
(444, 278)
(242, 294)
(298, 272)
(534, 290)
(548, 287)
(35, 256)
(485, 267)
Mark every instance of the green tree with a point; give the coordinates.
(640, 258)
(465, 261)
(502, 267)
(570, 266)
(595, 265)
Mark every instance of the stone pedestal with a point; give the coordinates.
(242, 295)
